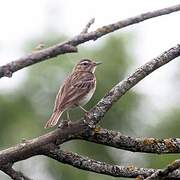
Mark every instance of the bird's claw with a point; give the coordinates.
(64, 123)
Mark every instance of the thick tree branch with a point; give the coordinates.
(29, 148)
(78, 130)
(88, 164)
(120, 141)
(70, 46)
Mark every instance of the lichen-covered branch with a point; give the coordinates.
(78, 130)
(41, 145)
(98, 112)
(74, 130)
(71, 45)
(88, 164)
(162, 174)
(120, 141)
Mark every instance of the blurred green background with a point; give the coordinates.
(25, 109)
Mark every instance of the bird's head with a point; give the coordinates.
(86, 65)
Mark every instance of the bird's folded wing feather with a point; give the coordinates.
(75, 87)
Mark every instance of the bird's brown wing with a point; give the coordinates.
(75, 87)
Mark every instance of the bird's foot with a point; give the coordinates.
(64, 123)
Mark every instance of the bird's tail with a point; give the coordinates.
(53, 120)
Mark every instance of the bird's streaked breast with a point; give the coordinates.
(87, 97)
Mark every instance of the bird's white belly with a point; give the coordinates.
(87, 97)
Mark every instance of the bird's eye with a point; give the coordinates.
(85, 63)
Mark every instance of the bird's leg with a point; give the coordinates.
(83, 109)
(66, 122)
(92, 126)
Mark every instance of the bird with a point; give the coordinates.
(76, 91)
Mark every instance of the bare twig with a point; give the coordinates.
(88, 164)
(70, 46)
(88, 25)
(162, 174)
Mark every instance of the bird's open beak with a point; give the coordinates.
(98, 63)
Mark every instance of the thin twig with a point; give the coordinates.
(70, 45)
(88, 25)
